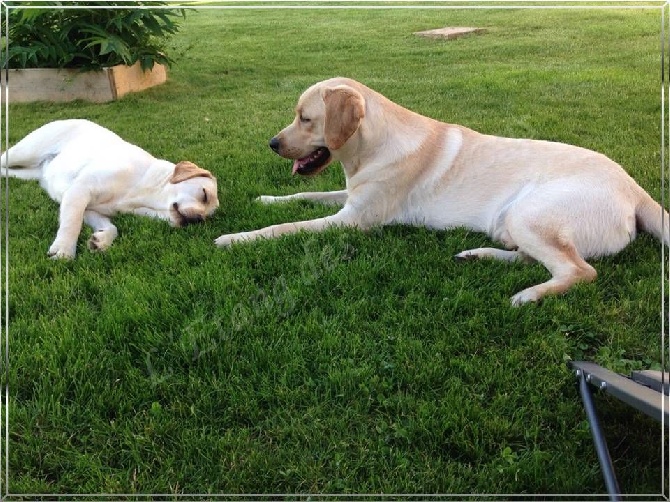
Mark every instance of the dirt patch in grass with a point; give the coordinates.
(450, 32)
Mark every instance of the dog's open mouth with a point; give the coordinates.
(314, 163)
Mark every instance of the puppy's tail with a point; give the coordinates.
(652, 218)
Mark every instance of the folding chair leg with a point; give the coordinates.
(601, 445)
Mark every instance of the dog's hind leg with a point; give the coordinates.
(18, 163)
(104, 231)
(558, 253)
(25, 159)
(564, 276)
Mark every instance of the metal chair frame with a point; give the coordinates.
(646, 391)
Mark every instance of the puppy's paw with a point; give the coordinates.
(60, 252)
(101, 240)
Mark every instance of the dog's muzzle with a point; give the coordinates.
(309, 165)
(181, 219)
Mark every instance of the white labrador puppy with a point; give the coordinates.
(94, 174)
(551, 202)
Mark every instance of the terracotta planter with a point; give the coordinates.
(67, 85)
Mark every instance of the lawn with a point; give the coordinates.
(342, 362)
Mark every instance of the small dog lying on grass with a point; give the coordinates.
(94, 174)
(551, 202)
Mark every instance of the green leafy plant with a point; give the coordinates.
(91, 38)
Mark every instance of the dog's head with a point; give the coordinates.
(195, 195)
(327, 116)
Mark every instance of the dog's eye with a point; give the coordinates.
(204, 197)
(304, 119)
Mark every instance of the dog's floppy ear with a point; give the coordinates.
(186, 170)
(345, 108)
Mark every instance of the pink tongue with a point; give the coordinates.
(296, 166)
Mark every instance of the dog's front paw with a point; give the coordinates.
(59, 252)
(266, 199)
(228, 239)
(466, 256)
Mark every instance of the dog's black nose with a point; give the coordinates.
(274, 144)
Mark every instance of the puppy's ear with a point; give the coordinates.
(186, 170)
(345, 108)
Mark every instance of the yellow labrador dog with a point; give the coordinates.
(94, 174)
(551, 202)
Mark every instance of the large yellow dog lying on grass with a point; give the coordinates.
(551, 202)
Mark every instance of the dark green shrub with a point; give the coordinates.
(84, 35)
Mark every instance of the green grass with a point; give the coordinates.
(341, 362)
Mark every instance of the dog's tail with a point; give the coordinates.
(652, 218)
